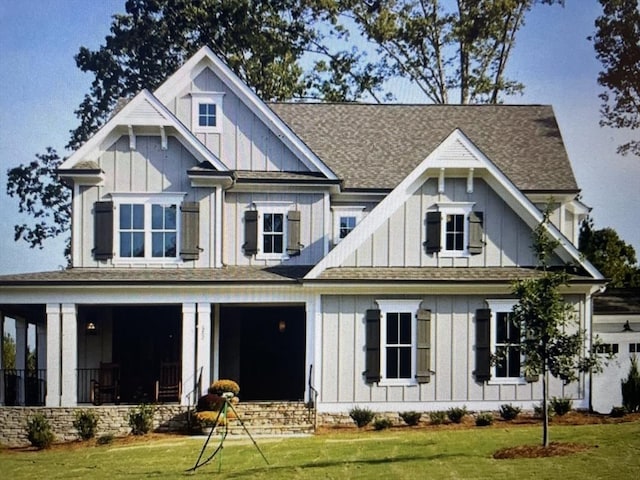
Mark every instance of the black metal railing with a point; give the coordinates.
(23, 387)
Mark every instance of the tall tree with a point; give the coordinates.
(8, 352)
(614, 258)
(617, 45)
(262, 41)
(552, 341)
(444, 47)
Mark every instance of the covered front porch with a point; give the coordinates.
(75, 354)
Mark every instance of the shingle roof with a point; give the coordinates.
(617, 300)
(119, 276)
(435, 274)
(377, 146)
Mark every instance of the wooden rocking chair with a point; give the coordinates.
(169, 385)
(107, 387)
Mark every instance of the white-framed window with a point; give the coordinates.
(505, 343)
(454, 229)
(345, 219)
(147, 227)
(398, 341)
(206, 112)
(272, 229)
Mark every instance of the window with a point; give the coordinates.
(505, 343)
(206, 108)
(345, 220)
(206, 114)
(272, 231)
(398, 341)
(148, 226)
(634, 348)
(608, 348)
(454, 230)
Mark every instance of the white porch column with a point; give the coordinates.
(189, 375)
(216, 341)
(21, 357)
(54, 343)
(69, 356)
(41, 346)
(203, 360)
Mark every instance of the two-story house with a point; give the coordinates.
(366, 252)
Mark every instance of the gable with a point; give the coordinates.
(473, 181)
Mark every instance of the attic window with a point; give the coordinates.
(206, 112)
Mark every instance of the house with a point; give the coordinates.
(343, 254)
(616, 321)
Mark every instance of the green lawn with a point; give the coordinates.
(400, 453)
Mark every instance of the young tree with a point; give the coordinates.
(614, 258)
(552, 341)
(617, 48)
(443, 47)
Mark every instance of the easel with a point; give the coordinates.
(223, 413)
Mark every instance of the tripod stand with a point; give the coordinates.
(222, 413)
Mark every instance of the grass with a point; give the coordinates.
(397, 453)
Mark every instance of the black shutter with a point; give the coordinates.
(293, 233)
(190, 231)
(423, 367)
(250, 232)
(103, 230)
(475, 233)
(372, 358)
(434, 221)
(483, 344)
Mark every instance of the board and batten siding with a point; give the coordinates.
(312, 226)
(399, 242)
(245, 142)
(452, 358)
(147, 169)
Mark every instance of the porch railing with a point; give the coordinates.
(20, 387)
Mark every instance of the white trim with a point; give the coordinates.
(340, 211)
(502, 305)
(411, 307)
(147, 200)
(272, 207)
(217, 229)
(454, 208)
(209, 98)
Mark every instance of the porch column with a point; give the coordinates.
(54, 343)
(69, 356)
(2, 366)
(189, 375)
(204, 345)
(41, 346)
(21, 357)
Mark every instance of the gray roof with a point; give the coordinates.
(377, 146)
(617, 301)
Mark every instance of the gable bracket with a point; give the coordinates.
(132, 138)
(441, 181)
(163, 138)
(470, 181)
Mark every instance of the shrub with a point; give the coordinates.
(39, 432)
(456, 414)
(631, 388)
(561, 406)
(509, 412)
(361, 416)
(210, 402)
(618, 412)
(537, 410)
(105, 439)
(484, 419)
(222, 386)
(382, 423)
(141, 419)
(410, 418)
(437, 417)
(86, 423)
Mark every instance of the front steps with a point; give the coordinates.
(273, 418)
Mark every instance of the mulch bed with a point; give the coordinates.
(555, 449)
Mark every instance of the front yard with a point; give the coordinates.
(609, 450)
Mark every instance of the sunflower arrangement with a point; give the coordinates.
(209, 405)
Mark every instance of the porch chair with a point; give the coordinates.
(107, 387)
(169, 385)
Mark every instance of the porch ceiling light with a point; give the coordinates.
(90, 329)
(282, 326)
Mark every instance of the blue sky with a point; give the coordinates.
(40, 87)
